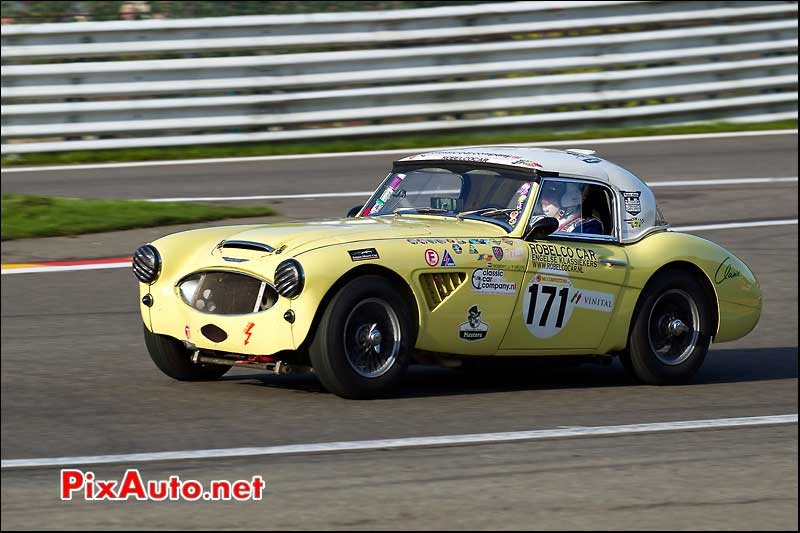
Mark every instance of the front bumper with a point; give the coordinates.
(262, 333)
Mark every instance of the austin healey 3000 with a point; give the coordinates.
(459, 256)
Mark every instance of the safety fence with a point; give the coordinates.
(549, 65)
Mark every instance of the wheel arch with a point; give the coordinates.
(698, 274)
(365, 270)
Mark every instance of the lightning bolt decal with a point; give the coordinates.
(247, 332)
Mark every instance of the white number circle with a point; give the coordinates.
(548, 303)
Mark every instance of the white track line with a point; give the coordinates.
(365, 194)
(735, 225)
(703, 227)
(412, 442)
(35, 270)
(613, 140)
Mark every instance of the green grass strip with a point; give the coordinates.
(26, 216)
(386, 142)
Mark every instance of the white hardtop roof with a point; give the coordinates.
(565, 162)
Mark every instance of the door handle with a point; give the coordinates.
(612, 262)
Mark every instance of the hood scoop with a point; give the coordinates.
(245, 245)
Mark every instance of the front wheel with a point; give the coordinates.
(362, 346)
(671, 330)
(175, 360)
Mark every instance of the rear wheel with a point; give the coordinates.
(362, 346)
(175, 360)
(671, 330)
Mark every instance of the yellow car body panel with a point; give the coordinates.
(478, 289)
(494, 270)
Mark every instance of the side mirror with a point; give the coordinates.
(353, 211)
(541, 228)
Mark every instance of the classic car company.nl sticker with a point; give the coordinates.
(633, 203)
(492, 281)
(473, 329)
(364, 254)
(431, 257)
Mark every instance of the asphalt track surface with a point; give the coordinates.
(76, 380)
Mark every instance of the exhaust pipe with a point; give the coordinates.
(277, 367)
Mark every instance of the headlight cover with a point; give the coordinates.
(146, 263)
(289, 278)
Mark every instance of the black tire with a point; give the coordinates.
(344, 360)
(173, 359)
(662, 351)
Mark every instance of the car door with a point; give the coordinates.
(571, 284)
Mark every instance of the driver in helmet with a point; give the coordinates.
(563, 201)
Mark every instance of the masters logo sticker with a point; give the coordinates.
(492, 281)
(473, 329)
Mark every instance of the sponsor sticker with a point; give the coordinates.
(568, 258)
(594, 300)
(633, 202)
(431, 257)
(492, 281)
(363, 254)
(634, 223)
(474, 329)
(551, 298)
(457, 249)
(447, 260)
(498, 252)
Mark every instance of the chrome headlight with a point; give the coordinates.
(146, 263)
(289, 278)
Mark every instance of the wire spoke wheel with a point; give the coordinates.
(372, 338)
(673, 327)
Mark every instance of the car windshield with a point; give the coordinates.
(492, 194)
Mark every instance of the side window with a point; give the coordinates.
(581, 208)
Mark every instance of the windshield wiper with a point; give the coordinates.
(486, 211)
(423, 210)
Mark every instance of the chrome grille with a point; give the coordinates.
(223, 292)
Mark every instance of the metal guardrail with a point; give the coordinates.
(272, 78)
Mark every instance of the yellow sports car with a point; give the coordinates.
(459, 256)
